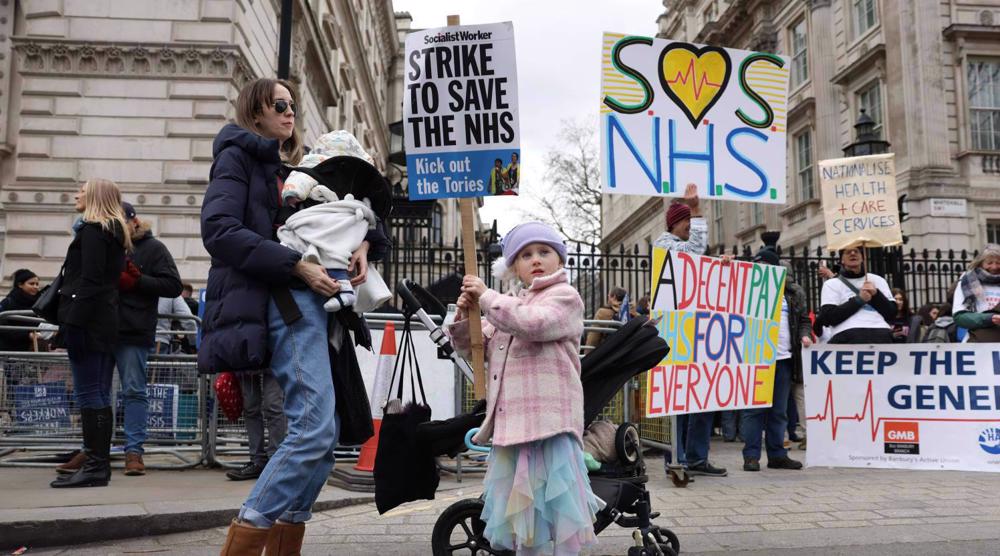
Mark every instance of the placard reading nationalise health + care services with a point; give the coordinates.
(859, 201)
(460, 116)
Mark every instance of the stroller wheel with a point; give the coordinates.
(627, 443)
(458, 530)
(679, 477)
(667, 540)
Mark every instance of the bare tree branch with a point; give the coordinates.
(571, 202)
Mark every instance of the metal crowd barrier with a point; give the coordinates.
(39, 417)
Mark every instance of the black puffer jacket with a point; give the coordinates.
(798, 324)
(89, 295)
(16, 340)
(137, 315)
(239, 216)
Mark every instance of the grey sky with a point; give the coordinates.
(558, 66)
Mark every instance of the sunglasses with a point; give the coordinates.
(281, 105)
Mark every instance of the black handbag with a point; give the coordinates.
(404, 466)
(47, 304)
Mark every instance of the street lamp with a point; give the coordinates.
(867, 142)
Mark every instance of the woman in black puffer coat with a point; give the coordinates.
(21, 298)
(88, 321)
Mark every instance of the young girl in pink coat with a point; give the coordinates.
(537, 493)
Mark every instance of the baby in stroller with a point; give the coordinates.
(334, 225)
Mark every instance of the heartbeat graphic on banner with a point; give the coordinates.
(689, 75)
(868, 412)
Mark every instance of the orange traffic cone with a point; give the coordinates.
(383, 374)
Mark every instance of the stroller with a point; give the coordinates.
(633, 349)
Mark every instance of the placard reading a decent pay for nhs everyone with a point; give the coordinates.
(460, 112)
(721, 323)
(674, 113)
(904, 406)
(859, 201)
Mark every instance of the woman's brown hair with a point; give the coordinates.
(250, 105)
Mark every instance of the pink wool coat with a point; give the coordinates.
(533, 364)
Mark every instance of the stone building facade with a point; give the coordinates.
(135, 91)
(927, 72)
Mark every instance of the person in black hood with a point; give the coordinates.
(21, 297)
(88, 321)
(857, 305)
(150, 273)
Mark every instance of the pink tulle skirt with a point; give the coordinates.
(538, 498)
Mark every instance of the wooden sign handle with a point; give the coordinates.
(468, 208)
(475, 324)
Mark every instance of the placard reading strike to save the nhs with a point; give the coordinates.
(674, 113)
(721, 322)
(460, 119)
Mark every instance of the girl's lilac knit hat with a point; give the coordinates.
(521, 236)
(531, 232)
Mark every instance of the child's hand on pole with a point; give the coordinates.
(464, 303)
(473, 286)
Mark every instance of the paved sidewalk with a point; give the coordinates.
(33, 514)
(815, 511)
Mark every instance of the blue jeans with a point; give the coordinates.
(682, 424)
(699, 431)
(300, 361)
(92, 370)
(769, 421)
(729, 423)
(131, 361)
(792, 413)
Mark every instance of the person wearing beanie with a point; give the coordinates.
(687, 230)
(21, 298)
(794, 333)
(856, 305)
(534, 408)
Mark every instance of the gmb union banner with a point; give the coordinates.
(721, 323)
(908, 406)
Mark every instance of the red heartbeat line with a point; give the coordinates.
(868, 411)
(683, 78)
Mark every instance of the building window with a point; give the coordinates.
(800, 60)
(870, 100)
(863, 13)
(984, 103)
(709, 14)
(804, 165)
(757, 214)
(993, 231)
(437, 223)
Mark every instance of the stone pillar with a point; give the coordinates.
(915, 57)
(821, 67)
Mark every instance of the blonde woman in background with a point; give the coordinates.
(88, 321)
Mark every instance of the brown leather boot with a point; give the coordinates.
(244, 540)
(285, 539)
(134, 464)
(73, 464)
